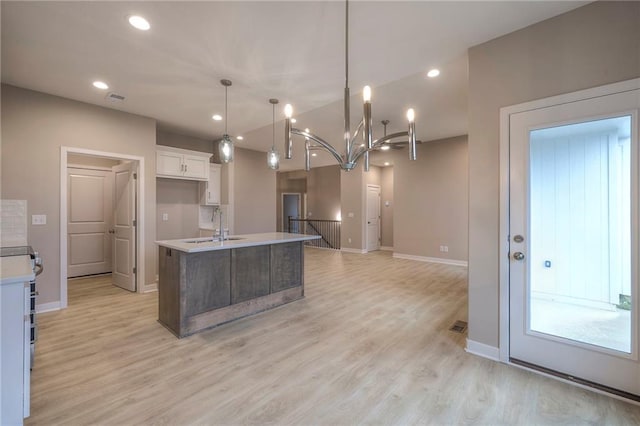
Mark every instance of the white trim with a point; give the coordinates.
(431, 259)
(505, 114)
(140, 229)
(48, 307)
(386, 248)
(352, 250)
(149, 288)
(485, 351)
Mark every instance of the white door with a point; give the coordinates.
(373, 217)
(90, 197)
(124, 242)
(574, 240)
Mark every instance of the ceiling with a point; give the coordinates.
(293, 51)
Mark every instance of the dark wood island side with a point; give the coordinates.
(204, 283)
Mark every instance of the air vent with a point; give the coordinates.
(114, 97)
(459, 326)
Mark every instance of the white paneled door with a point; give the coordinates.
(124, 242)
(90, 199)
(574, 240)
(373, 217)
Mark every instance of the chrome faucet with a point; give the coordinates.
(218, 210)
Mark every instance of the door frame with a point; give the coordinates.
(300, 212)
(504, 261)
(140, 228)
(366, 214)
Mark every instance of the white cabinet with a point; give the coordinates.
(179, 163)
(210, 190)
(15, 336)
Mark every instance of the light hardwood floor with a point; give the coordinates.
(369, 344)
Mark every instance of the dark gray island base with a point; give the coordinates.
(207, 285)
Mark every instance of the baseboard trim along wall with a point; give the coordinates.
(350, 250)
(386, 248)
(485, 351)
(431, 259)
(148, 288)
(48, 307)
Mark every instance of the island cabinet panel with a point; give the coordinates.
(283, 276)
(249, 273)
(169, 290)
(208, 281)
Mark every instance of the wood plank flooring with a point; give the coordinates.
(369, 344)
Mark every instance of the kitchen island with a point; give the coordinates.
(204, 282)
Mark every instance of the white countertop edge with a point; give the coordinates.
(16, 269)
(247, 240)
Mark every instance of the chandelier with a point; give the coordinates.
(353, 150)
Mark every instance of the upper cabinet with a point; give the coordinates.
(179, 163)
(210, 190)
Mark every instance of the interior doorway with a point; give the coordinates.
(373, 217)
(291, 208)
(101, 217)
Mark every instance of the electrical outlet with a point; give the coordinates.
(349, 239)
(446, 249)
(38, 219)
(165, 216)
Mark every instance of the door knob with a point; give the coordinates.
(518, 255)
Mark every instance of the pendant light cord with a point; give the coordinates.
(273, 145)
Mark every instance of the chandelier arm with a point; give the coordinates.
(379, 142)
(321, 143)
(357, 131)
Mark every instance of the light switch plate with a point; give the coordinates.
(165, 216)
(38, 219)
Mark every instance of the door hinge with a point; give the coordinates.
(135, 270)
(135, 176)
(135, 222)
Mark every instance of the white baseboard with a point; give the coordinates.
(385, 248)
(485, 351)
(351, 250)
(148, 288)
(48, 307)
(431, 259)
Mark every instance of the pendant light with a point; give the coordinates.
(273, 157)
(225, 147)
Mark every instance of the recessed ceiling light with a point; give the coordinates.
(217, 117)
(100, 85)
(139, 22)
(385, 147)
(433, 73)
(293, 120)
(314, 155)
(239, 138)
(386, 163)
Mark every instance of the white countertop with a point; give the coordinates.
(194, 245)
(16, 269)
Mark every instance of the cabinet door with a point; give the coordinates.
(213, 188)
(169, 163)
(196, 167)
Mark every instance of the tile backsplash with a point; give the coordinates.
(13, 223)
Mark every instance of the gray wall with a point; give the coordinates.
(180, 200)
(323, 192)
(175, 140)
(294, 182)
(34, 127)
(590, 46)
(254, 186)
(431, 204)
(386, 212)
(352, 201)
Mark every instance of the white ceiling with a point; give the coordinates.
(293, 51)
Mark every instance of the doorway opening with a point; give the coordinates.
(291, 208)
(373, 218)
(101, 218)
